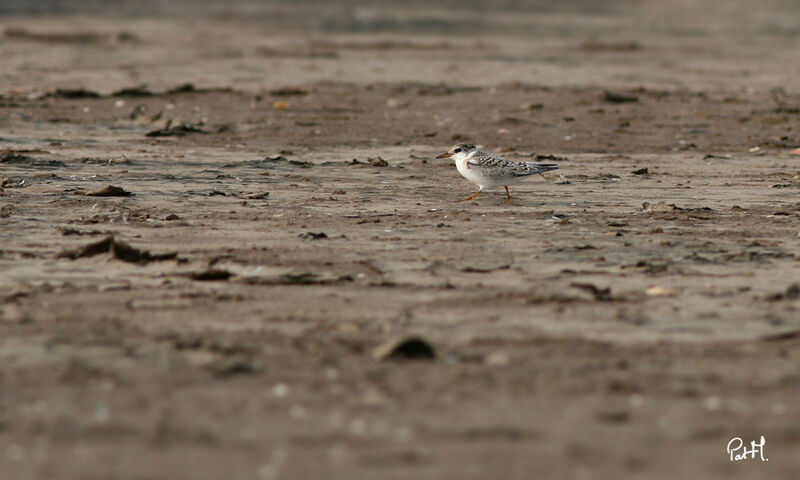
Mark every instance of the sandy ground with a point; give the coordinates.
(283, 221)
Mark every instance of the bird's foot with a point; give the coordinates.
(471, 196)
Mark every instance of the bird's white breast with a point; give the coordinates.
(472, 174)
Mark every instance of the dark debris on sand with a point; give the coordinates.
(118, 250)
(176, 131)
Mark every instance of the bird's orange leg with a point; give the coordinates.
(471, 196)
(508, 194)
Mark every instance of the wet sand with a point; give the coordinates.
(230, 312)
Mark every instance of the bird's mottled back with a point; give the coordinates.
(495, 165)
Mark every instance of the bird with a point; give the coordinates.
(488, 171)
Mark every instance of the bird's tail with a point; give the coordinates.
(536, 168)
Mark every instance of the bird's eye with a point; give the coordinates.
(457, 150)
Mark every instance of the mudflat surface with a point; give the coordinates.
(278, 219)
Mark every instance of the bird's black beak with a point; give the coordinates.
(445, 155)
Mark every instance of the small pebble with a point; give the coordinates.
(280, 390)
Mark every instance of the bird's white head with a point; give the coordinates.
(459, 151)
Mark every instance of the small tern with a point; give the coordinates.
(488, 171)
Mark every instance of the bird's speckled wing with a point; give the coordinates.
(499, 167)
(491, 165)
